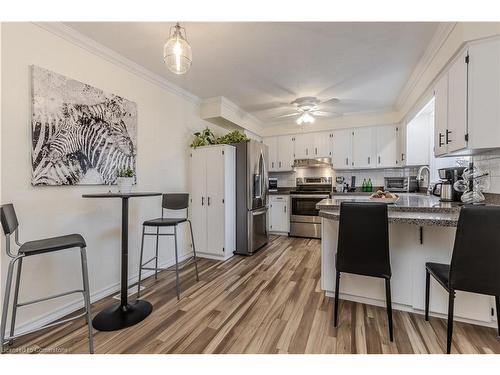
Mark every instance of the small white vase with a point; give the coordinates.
(124, 184)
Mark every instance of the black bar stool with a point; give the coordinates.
(10, 226)
(363, 247)
(475, 263)
(172, 201)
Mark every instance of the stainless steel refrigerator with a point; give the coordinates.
(251, 197)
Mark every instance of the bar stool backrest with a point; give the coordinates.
(475, 263)
(8, 218)
(175, 201)
(363, 241)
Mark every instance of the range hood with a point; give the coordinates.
(313, 163)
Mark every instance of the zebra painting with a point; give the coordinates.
(80, 134)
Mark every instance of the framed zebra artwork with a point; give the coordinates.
(81, 135)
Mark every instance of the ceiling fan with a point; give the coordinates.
(307, 108)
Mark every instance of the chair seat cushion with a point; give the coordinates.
(164, 222)
(441, 273)
(52, 244)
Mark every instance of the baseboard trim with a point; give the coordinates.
(214, 257)
(406, 308)
(94, 297)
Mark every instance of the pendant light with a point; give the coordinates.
(177, 53)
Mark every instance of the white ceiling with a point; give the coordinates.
(257, 65)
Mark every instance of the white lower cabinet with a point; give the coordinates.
(279, 214)
(213, 201)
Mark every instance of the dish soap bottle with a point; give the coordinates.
(364, 187)
(369, 185)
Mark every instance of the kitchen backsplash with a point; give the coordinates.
(490, 161)
(377, 176)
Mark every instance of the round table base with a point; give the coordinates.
(118, 317)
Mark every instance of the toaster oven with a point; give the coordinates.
(401, 184)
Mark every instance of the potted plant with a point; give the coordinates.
(124, 180)
(203, 138)
(233, 137)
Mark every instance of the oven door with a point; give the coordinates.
(304, 207)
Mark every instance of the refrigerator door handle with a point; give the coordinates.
(260, 211)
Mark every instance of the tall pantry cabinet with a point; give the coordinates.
(213, 200)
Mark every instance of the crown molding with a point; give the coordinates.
(437, 41)
(71, 35)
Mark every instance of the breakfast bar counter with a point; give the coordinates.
(416, 209)
(421, 229)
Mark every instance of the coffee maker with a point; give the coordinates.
(444, 189)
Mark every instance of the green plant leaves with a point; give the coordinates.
(207, 137)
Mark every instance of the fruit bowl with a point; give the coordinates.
(384, 197)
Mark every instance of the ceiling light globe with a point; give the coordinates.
(177, 54)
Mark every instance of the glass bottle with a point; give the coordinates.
(364, 186)
(369, 185)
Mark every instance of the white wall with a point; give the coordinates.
(165, 124)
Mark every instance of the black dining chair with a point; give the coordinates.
(475, 263)
(171, 201)
(10, 227)
(363, 247)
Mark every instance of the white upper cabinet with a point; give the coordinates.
(484, 95)
(321, 144)
(286, 153)
(272, 144)
(455, 134)
(467, 101)
(363, 147)
(440, 115)
(304, 146)
(341, 146)
(387, 146)
(281, 153)
(403, 146)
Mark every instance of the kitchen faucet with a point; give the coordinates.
(420, 177)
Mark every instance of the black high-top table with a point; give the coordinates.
(124, 314)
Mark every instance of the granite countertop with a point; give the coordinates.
(410, 208)
(407, 202)
(402, 217)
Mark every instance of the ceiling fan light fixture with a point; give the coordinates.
(305, 118)
(177, 54)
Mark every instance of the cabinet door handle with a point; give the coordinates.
(202, 201)
(208, 201)
(316, 150)
(379, 159)
(284, 207)
(368, 160)
(346, 161)
(402, 156)
(441, 144)
(279, 165)
(272, 164)
(448, 140)
(307, 151)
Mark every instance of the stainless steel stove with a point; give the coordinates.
(304, 218)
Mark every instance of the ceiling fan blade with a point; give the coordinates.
(330, 101)
(289, 115)
(325, 114)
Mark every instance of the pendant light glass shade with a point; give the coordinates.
(177, 53)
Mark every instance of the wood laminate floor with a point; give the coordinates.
(268, 303)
